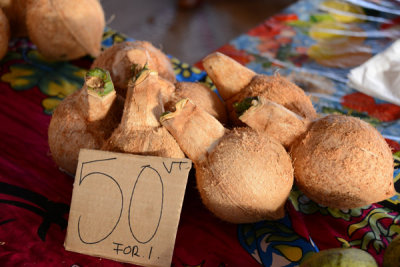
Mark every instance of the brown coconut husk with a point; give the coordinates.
(196, 131)
(4, 34)
(120, 58)
(277, 89)
(65, 29)
(69, 129)
(202, 96)
(228, 75)
(246, 178)
(274, 120)
(242, 176)
(140, 131)
(343, 162)
(15, 11)
(236, 82)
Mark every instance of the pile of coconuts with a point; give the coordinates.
(248, 149)
(60, 29)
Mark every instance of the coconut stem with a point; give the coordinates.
(99, 94)
(228, 75)
(273, 119)
(143, 104)
(196, 131)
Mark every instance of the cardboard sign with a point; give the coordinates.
(126, 207)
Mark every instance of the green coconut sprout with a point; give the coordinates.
(242, 106)
(137, 70)
(99, 81)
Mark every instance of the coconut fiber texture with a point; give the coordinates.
(247, 177)
(65, 29)
(343, 162)
(277, 89)
(4, 34)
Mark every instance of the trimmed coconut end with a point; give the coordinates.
(141, 74)
(178, 107)
(98, 82)
(228, 75)
(243, 106)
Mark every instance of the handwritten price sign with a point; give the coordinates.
(126, 207)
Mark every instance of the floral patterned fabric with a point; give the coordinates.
(313, 42)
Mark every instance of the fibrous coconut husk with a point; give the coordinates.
(343, 162)
(4, 34)
(228, 75)
(69, 129)
(196, 131)
(242, 176)
(15, 11)
(246, 178)
(277, 89)
(274, 120)
(140, 131)
(65, 29)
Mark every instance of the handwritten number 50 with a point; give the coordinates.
(147, 172)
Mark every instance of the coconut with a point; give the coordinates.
(122, 59)
(242, 176)
(15, 11)
(4, 34)
(201, 96)
(343, 162)
(338, 257)
(140, 131)
(235, 82)
(84, 119)
(65, 29)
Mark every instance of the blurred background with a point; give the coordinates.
(188, 29)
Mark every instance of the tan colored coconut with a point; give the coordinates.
(242, 176)
(4, 34)
(235, 82)
(122, 58)
(343, 162)
(15, 11)
(201, 96)
(84, 119)
(272, 119)
(140, 132)
(65, 29)
(339, 161)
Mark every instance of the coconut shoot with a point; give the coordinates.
(242, 176)
(272, 119)
(122, 60)
(235, 82)
(140, 132)
(84, 119)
